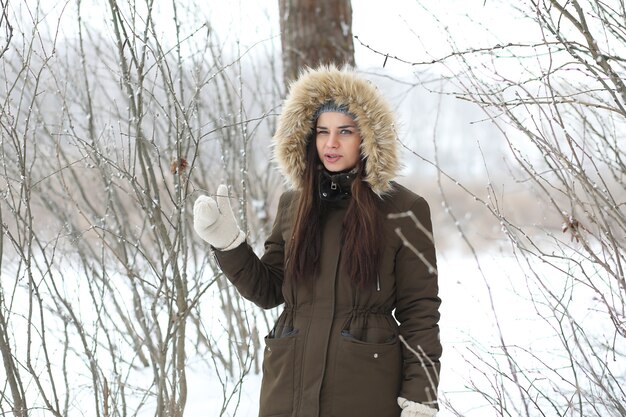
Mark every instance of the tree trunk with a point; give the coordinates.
(315, 32)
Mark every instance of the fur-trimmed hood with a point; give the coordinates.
(374, 118)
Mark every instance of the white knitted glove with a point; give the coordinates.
(413, 409)
(215, 222)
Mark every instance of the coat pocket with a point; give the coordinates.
(278, 376)
(367, 378)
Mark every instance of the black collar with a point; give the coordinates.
(335, 186)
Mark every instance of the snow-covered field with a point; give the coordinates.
(468, 330)
(473, 296)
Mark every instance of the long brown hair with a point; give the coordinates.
(360, 236)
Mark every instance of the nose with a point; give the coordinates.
(332, 141)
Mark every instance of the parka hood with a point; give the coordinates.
(374, 118)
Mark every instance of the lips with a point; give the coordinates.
(332, 157)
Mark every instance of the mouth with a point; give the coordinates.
(331, 157)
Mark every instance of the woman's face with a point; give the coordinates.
(338, 141)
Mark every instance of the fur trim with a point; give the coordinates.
(374, 118)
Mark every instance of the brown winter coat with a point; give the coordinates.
(335, 350)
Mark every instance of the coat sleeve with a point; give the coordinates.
(258, 279)
(417, 306)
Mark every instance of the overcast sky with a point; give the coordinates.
(399, 27)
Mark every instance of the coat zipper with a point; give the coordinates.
(377, 282)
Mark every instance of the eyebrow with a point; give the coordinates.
(338, 127)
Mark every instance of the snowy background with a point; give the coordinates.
(110, 305)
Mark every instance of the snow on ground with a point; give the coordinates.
(468, 328)
(467, 323)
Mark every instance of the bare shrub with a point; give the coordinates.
(557, 98)
(108, 136)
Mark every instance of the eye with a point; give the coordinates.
(322, 132)
(345, 131)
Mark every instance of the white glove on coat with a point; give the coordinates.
(413, 409)
(215, 222)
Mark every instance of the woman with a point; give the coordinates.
(350, 251)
